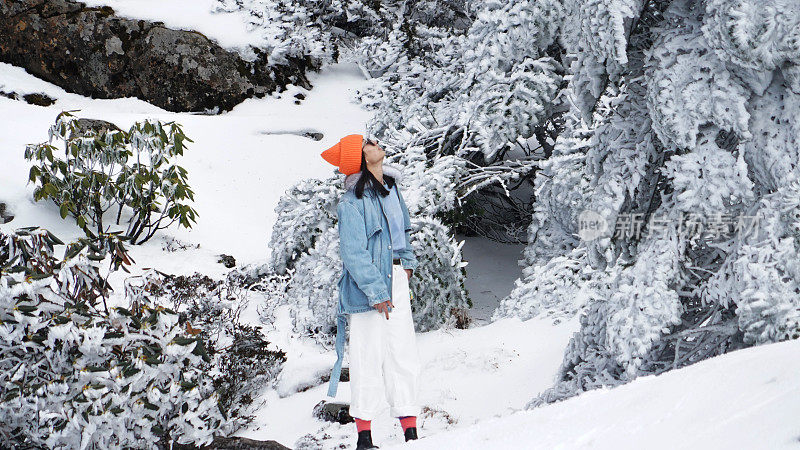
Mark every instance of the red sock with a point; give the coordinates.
(362, 425)
(408, 422)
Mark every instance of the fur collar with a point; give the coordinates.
(391, 170)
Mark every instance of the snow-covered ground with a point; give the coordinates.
(491, 272)
(747, 399)
(474, 381)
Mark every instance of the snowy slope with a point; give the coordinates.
(748, 399)
(238, 173)
(239, 165)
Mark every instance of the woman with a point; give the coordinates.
(377, 263)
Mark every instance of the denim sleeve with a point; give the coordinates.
(407, 257)
(356, 258)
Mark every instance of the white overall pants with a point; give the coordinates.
(384, 357)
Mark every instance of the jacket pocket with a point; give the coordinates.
(374, 230)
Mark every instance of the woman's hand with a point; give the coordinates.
(384, 307)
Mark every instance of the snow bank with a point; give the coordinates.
(745, 399)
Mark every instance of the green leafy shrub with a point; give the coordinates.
(97, 169)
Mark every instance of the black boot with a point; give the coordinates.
(365, 440)
(411, 433)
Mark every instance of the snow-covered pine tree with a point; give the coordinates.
(509, 81)
(596, 36)
(480, 94)
(607, 167)
(552, 263)
(493, 83)
(698, 141)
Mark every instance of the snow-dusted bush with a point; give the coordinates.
(300, 29)
(554, 289)
(430, 184)
(109, 169)
(379, 55)
(242, 363)
(304, 263)
(439, 295)
(306, 210)
(313, 291)
(285, 26)
(72, 377)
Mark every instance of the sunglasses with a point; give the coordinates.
(370, 140)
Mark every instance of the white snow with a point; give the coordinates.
(474, 381)
(239, 165)
(744, 399)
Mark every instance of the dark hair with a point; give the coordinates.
(374, 184)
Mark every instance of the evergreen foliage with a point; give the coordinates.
(110, 169)
(679, 139)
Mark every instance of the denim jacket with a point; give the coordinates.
(366, 252)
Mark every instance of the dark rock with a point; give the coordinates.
(314, 136)
(36, 98)
(333, 412)
(344, 376)
(39, 99)
(5, 215)
(233, 443)
(98, 126)
(92, 52)
(300, 96)
(227, 261)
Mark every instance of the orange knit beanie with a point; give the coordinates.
(346, 154)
